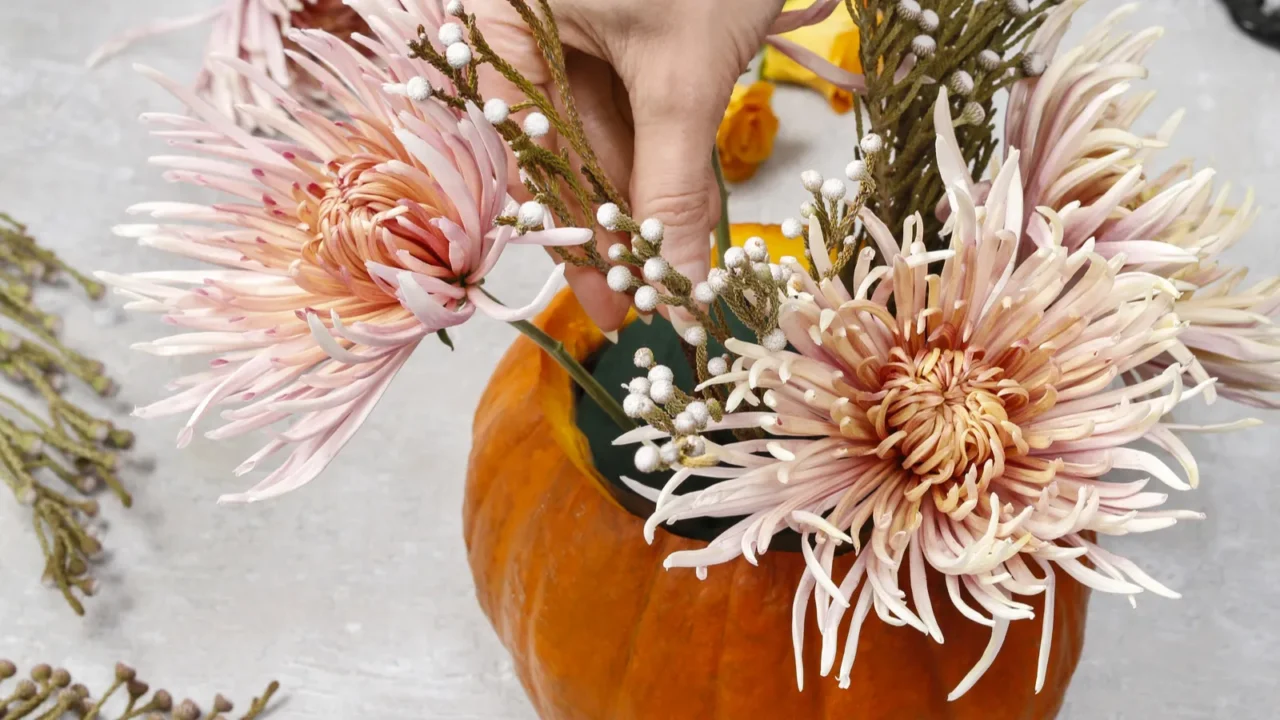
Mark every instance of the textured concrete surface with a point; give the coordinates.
(354, 592)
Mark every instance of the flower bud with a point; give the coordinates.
(908, 9)
(659, 373)
(871, 143)
(704, 293)
(923, 46)
(643, 359)
(928, 21)
(1033, 64)
(989, 60)
(960, 83)
(856, 171)
(718, 278)
(669, 453)
(701, 415)
(617, 251)
(685, 424)
(756, 249)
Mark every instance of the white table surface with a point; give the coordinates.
(355, 593)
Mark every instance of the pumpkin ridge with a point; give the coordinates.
(724, 633)
(635, 633)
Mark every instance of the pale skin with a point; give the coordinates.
(651, 79)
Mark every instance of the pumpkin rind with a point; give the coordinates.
(598, 630)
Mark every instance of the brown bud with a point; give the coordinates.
(40, 673)
(80, 690)
(7, 669)
(222, 705)
(136, 688)
(187, 710)
(124, 673)
(76, 566)
(25, 690)
(162, 701)
(60, 678)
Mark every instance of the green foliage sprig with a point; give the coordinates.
(55, 458)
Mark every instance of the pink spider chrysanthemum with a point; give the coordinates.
(255, 31)
(347, 244)
(1073, 129)
(952, 412)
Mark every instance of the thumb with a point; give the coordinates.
(672, 179)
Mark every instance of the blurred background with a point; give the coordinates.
(354, 592)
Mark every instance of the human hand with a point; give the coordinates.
(650, 79)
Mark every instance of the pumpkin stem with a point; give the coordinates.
(592, 387)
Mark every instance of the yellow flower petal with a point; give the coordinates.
(835, 39)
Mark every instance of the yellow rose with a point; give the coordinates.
(835, 39)
(745, 137)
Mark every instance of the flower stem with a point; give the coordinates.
(592, 387)
(723, 241)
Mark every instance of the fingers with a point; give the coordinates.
(672, 178)
(601, 104)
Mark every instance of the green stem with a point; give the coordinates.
(589, 384)
(723, 240)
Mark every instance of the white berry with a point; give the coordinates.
(417, 88)
(643, 358)
(669, 453)
(531, 214)
(756, 249)
(695, 335)
(619, 278)
(639, 386)
(496, 110)
(661, 373)
(856, 171)
(698, 409)
(536, 125)
(704, 293)
(718, 279)
(811, 179)
(651, 230)
(608, 216)
(792, 228)
(646, 299)
(834, 190)
(450, 33)
(685, 424)
(656, 269)
(871, 144)
(647, 459)
(775, 341)
(458, 55)
(717, 366)
(735, 257)
(662, 391)
(928, 21)
(617, 251)
(637, 406)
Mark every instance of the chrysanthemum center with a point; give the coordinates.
(944, 413)
(351, 218)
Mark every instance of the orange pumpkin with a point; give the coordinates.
(599, 630)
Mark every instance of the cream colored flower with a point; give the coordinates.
(953, 412)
